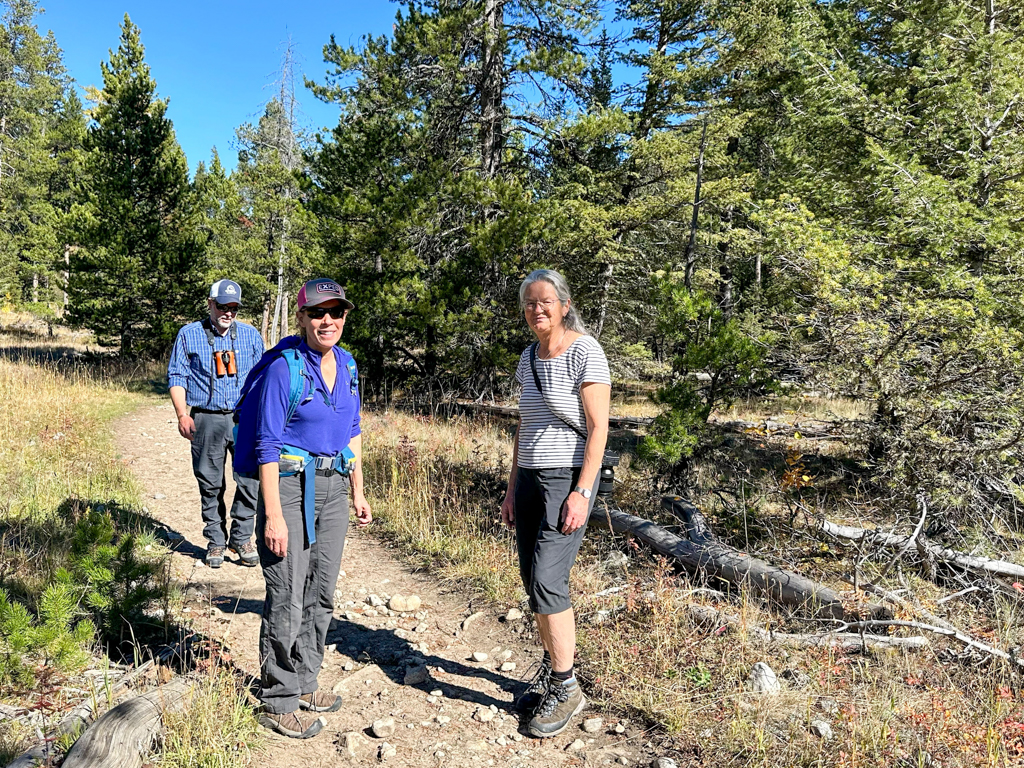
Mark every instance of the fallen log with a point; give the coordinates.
(949, 557)
(847, 641)
(125, 734)
(702, 553)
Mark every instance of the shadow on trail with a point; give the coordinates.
(393, 654)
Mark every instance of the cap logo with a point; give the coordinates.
(327, 288)
(229, 288)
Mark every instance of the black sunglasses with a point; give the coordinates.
(316, 313)
(227, 307)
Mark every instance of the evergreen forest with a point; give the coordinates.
(785, 193)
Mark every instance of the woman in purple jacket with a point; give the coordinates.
(300, 542)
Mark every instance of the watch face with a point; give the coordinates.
(584, 492)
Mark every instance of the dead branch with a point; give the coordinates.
(847, 641)
(702, 553)
(949, 557)
(967, 640)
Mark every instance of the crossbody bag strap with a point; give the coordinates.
(536, 381)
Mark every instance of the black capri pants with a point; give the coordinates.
(546, 555)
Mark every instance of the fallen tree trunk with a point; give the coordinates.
(126, 733)
(702, 553)
(848, 641)
(941, 554)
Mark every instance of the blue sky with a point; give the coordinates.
(215, 60)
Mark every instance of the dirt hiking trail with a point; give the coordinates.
(460, 714)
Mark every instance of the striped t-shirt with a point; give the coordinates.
(545, 441)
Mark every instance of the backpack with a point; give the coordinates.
(245, 408)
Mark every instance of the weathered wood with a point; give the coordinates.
(74, 723)
(942, 554)
(711, 558)
(125, 734)
(847, 641)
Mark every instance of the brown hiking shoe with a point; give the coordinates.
(293, 724)
(563, 701)
(319, 701)
(247, 554)
(214, 556)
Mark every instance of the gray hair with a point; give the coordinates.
(556, 281)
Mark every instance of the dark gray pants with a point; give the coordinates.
(213, 441)
(300, 591)
(546, 555)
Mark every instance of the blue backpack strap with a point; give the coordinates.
(353, 377)
(296, 374)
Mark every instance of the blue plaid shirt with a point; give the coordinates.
(192, 364)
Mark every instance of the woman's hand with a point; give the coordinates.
(575, 512)
(362, 509)
(508, 510)
(276, 534)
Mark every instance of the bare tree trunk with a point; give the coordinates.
(284, 313)
(690, 257)
(724, 270)
(492, 138)
(35, 287)
(607, 270)
(67, 272)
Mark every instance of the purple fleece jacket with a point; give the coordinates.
(323, 424)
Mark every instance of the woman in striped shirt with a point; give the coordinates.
(560, 442)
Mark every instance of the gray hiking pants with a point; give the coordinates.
(300, 591)
(213, 441)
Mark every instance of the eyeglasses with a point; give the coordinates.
(529, 306)
(226, 307)
(317, 313)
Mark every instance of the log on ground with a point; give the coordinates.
(124, 735)
(701, 553)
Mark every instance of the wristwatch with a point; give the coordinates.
(584, 492)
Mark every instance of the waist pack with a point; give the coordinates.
(293, 460)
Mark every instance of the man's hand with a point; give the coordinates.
(508, 510)
(276, 534)
(574, 513)
(186, 426)
(362, 509)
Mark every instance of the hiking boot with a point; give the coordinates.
(214, 556)
(537, 690)
(247, 554)
(319, 701)
(563, 701)
(293, 724)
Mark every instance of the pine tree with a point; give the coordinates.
(138, 257)
(423, 189)
(38, 138)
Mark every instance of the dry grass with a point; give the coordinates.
(227, 735)
(57, 453)
(437, 485)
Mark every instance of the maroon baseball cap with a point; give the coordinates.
(320, 291)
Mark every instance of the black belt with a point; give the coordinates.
(326, 472)
(208, 410)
